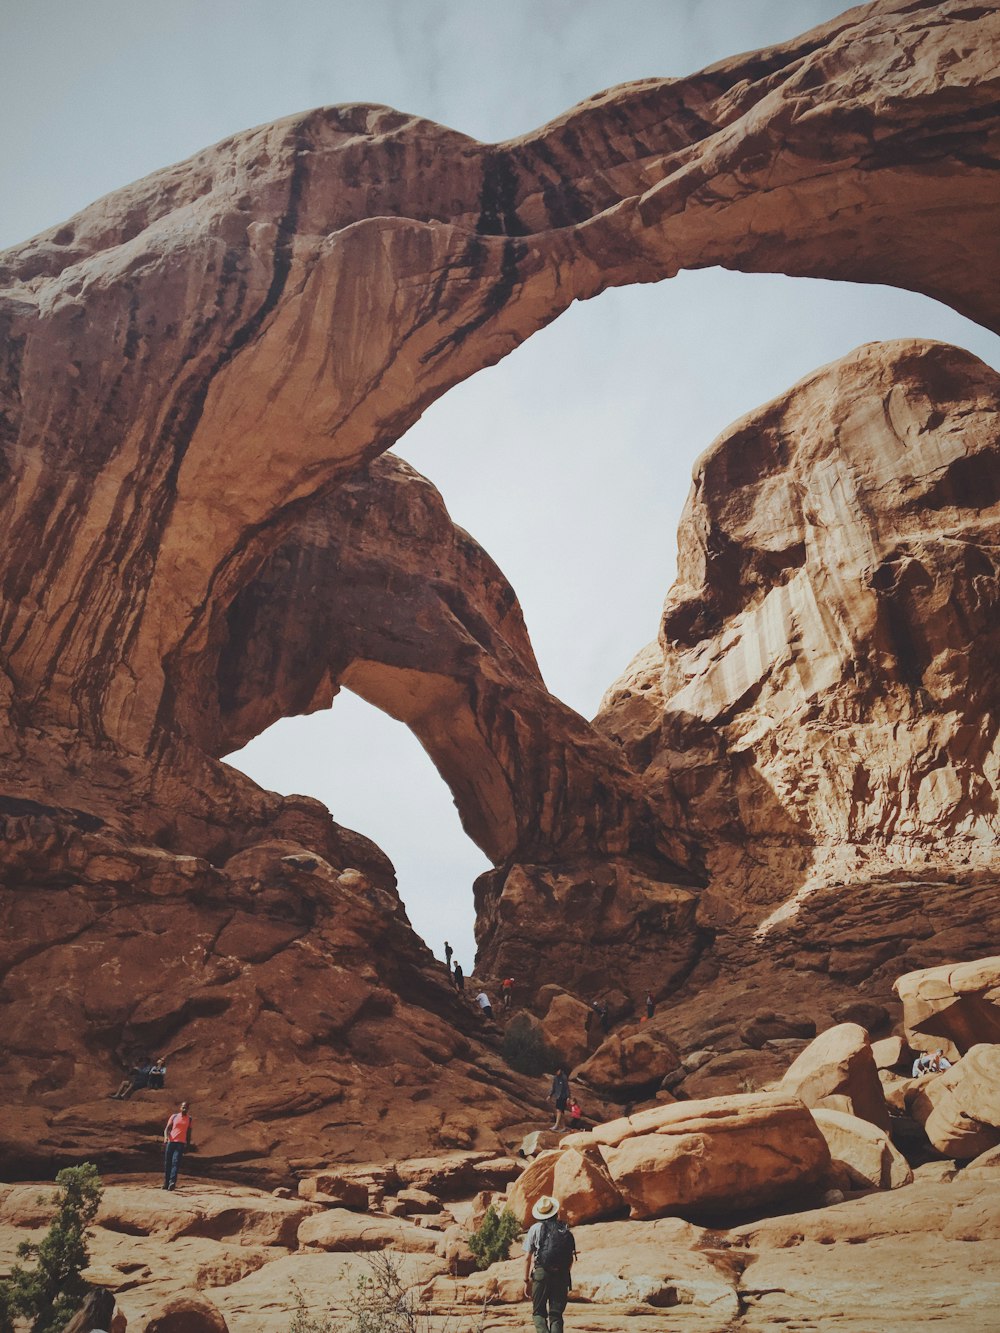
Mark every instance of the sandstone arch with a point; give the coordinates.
(199, 363)
(239, 331)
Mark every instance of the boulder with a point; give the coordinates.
(863, 1151)
(328, 1187)
(984, 1167)
(872, 1017)
(726, 1154)
(531, 1185)
(960, 1108)
(583, 1186)
(838, 1069)
(568, 1027)
(540, 1140)
(186, 1314)
(337, 1230)
(417, 1201)
(767, 1026)
(889, 1052)
(953, 1007)
(624, 1067)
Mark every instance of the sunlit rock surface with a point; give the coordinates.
(197, 366)
(824, 690)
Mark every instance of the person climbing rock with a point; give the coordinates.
(507, 991)
(176, 1141)
(549, 1250)
(458, 976)
(560, 1094)
(483, 1000)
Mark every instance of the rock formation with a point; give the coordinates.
(199, 373)
(824, 690)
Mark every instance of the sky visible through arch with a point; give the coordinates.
(570, 460)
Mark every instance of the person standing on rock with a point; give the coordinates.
(650, 1004)
(459, 978)
(176, 1140)
(560, 1094)
(549, 1250)
(448, 951)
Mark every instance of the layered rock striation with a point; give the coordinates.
(198, 373)
(823, 693)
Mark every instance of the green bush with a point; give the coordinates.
(525, 1048)
(491, 1242)
(50, 1293)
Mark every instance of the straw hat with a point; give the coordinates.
(545, 1207)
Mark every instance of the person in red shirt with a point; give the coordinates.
(176, 1138)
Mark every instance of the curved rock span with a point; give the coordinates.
(198, 375)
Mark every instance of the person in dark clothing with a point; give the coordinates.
(459, 978)
(560, 1094)
(448, 951)
(548, 1266)
(138, 1077)
(601, 1010)
(650, 1004)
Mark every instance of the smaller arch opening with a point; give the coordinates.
(374, 776)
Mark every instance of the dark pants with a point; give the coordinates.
(172, 1154)
(549, 1294)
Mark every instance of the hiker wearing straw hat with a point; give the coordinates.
(549, 1250)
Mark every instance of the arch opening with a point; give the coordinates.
(373, 775)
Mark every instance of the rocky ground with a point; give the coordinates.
(916, 1257)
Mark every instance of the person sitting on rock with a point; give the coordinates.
(560, 1094)
(939, 1062)
(138, 1077)
(158, 1074)
(483, 1000)
(921, 1065)
(575, 1120)
(549, 1250)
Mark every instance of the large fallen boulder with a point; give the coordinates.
(960, 1108)
(863, 1155)
(568, 1026)
(577, 1176)
(953, 1007)
(727, 1153)
(838, 1071)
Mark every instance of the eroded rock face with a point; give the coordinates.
(824, 689)
(192, 368)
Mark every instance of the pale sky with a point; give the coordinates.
(570, 460)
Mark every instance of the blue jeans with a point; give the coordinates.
(172, 1154)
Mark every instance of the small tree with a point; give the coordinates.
(50, 1293)
(525, 1048)
(491, 1242)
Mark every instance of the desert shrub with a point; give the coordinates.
(302, 1321)
(525, 1048)
(492, 1240)
(50, 1293)
(381, 1303)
